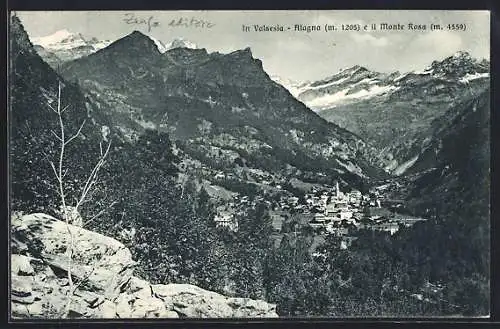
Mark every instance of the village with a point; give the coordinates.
(326, 210)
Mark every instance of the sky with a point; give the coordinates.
(295, 55)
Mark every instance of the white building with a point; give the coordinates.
(220, 176)
(330, 209)
(388, 227)
(225, 219)
(345, 215)
(355, 197)
(320, 218)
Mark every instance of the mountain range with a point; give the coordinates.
(387, 109)
(222, 105)
(63, 45)
(391, 109)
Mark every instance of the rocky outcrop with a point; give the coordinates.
(104, 284)
(103, 263)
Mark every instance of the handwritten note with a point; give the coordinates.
(151, 22)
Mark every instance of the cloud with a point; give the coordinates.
(371, 40)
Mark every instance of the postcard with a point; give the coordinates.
(249, 164)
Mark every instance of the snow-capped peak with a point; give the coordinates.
(66, 41)
(462, 54)
(160, 45)
(62, 39)
(294, 87)
(57, 36)
(181, 43)
(176, 43)
(352, 69)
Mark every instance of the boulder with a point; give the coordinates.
(143, 303)
(106, 310)
(192, 301)
(136, 284)
(35, 296)
(102, 262)
(129, 306)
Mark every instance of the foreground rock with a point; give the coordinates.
(102, 271)
(96, 258)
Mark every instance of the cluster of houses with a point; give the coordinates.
(336, 208)
(328, 211)
(333, 209)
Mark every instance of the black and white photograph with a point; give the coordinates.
(243, 164)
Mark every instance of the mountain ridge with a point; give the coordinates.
(63, 45)
(390, 108)
(222, 109)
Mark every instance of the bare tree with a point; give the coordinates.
(60, 173)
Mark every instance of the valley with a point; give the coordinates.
(338, 197)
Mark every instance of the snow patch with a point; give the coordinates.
(54, 38)
(181, 43)
(469, 77)
(332, 83)
(373, 91)
(293, 87)
(129, 134)
(101, 44)
(424, 72)
(66, 40)
(401, 76)
(329, 100)
(393, 164)
(236, 109)
(161, 47)
(297, 90)
(366, 80)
